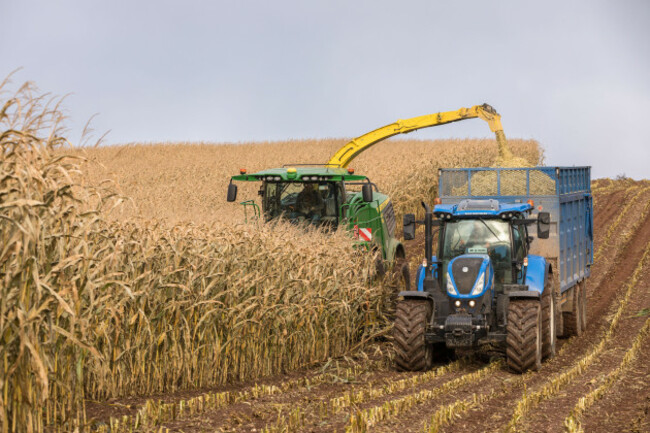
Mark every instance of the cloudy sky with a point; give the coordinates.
(574, 75)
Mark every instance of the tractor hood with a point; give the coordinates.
(469, 276)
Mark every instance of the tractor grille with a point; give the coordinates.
(464, 272)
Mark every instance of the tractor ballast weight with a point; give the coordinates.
(509, 273)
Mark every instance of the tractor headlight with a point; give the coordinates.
(480, 284)
(450, 285)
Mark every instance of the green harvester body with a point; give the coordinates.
(372, 223)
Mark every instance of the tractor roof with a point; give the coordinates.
(470, 208)
(301, 174)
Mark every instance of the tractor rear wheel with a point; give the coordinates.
(412, 353)
(549, 326)
(524, 335)
(573, 322)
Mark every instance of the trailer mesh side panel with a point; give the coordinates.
(484, 183)
(491, 182)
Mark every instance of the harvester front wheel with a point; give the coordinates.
(412, 353)
(402, 273)
(524, 335)
(549, 326)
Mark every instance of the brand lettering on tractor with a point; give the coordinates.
(365, 234)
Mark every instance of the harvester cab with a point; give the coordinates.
(490, 283)
(328, 197)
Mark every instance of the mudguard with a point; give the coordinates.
(392, 245)
(537, 273)
(419, 275)
(526, 294)
(413, 294)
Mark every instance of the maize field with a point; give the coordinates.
(136, 299)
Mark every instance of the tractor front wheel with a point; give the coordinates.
(412, 353)
(524, 335)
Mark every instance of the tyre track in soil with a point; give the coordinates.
(266, 411)
(625, 407)
(611, 277)
(550, 414)
(368, 365)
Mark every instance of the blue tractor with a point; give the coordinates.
(508, 275)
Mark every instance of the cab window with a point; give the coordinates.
(518, 236)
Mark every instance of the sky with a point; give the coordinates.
(574, 75)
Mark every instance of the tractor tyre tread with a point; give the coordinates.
(523, 350)
(411, 351)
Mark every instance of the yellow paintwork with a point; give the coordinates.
(352, 149)
(383, 205)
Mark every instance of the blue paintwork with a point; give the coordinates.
(536, 273)
(568, 200)
(503, 208)
(419, 275)
(486, 267)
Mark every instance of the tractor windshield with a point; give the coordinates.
(478, 236)
(312, 202)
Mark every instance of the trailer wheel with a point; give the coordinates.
(411, 351)
(573, 319)
(549, 324)
(524, 335)
(583, 305)
(402, 273)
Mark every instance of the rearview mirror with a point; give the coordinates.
(543, 225)
(409, 227)
(366, 191)
(232, 192)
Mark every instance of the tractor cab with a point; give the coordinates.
(483, 228)
(482, 259)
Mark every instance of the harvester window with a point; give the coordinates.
(313, 202)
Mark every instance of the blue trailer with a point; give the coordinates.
(508, 274)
